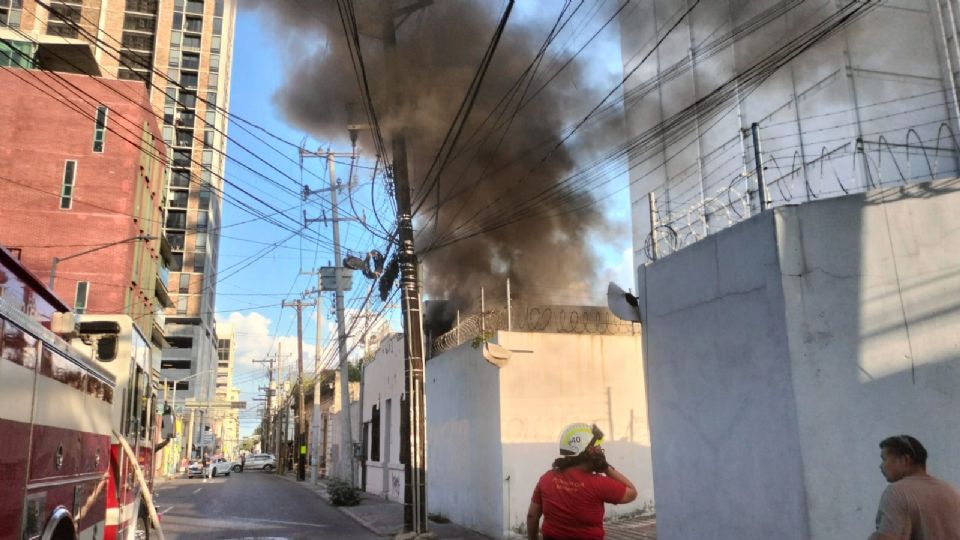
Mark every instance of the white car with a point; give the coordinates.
(219, 466)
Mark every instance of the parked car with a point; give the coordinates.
(266, 462)
(194, 469)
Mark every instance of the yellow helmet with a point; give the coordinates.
(575, 438)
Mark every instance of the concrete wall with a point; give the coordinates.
(464, 457)
(495, 430)
(553, 380)
(782, 350)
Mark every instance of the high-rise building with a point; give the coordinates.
(182, 51)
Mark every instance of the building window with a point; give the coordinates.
(80, 300)
(176, 240)
(214, 63)
(204, 198)
(195, 7)
(188, 79)
(191, 42)
(190, 61)
(202, 220)
(184, 138)
(218, 8)
(100, 129)
(142, 6)
(194, 24)
(10, 12)
(176, 220)
(181, 305)
(180, 179)
(184, 284)
(69, 179)
(177, 265)
(200, 242)
(181, 158)
(178, 199)
(199, 261)
(16, 53)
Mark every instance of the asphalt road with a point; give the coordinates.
(249, 505)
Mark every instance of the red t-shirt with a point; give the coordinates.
(572, 502)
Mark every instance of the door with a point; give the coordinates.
(385, 437)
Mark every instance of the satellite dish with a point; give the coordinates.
(623, 304)
(495, 354)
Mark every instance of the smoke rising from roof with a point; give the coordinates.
(549, 258)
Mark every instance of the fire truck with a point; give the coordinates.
(77, 412)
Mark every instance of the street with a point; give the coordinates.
(249, 505)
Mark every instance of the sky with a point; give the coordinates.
(261, 265)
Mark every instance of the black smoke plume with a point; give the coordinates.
(548, 258)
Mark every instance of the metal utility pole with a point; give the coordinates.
(758, 163)
(299, 440)
(345, 459)
(413, 415)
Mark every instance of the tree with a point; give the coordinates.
(353, 371)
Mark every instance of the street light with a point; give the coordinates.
(56, 260)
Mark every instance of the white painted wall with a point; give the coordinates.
(782, 350)
(493, 431)
(464, 457)
(383, 383)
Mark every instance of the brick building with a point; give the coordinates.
(182, 51)
(82, 179)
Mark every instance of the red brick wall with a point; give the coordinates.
(38, 132)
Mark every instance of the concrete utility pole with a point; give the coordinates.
(413, 415)
(265, 432)
(299, 440)
(345, 459)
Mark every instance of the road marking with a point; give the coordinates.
(162, 512)
(197, 490)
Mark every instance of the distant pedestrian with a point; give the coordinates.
(207, 467)
(243, 460)
(916, 505)
(570, 496)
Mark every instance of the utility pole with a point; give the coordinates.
(345, 459)
(299, 440)
(413, 415)
(265, 432)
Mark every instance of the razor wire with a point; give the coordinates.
(858, 164)
(480, 327)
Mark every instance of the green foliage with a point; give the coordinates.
(342, 494)
(353, 371)
(481, 338)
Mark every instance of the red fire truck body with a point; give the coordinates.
(63, 473)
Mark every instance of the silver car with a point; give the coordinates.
(266, 462)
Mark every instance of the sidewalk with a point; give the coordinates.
(385, 518)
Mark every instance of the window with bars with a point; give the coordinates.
(100, 128)
(80, 297)
(69, 181)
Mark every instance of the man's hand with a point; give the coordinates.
(533, 521)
